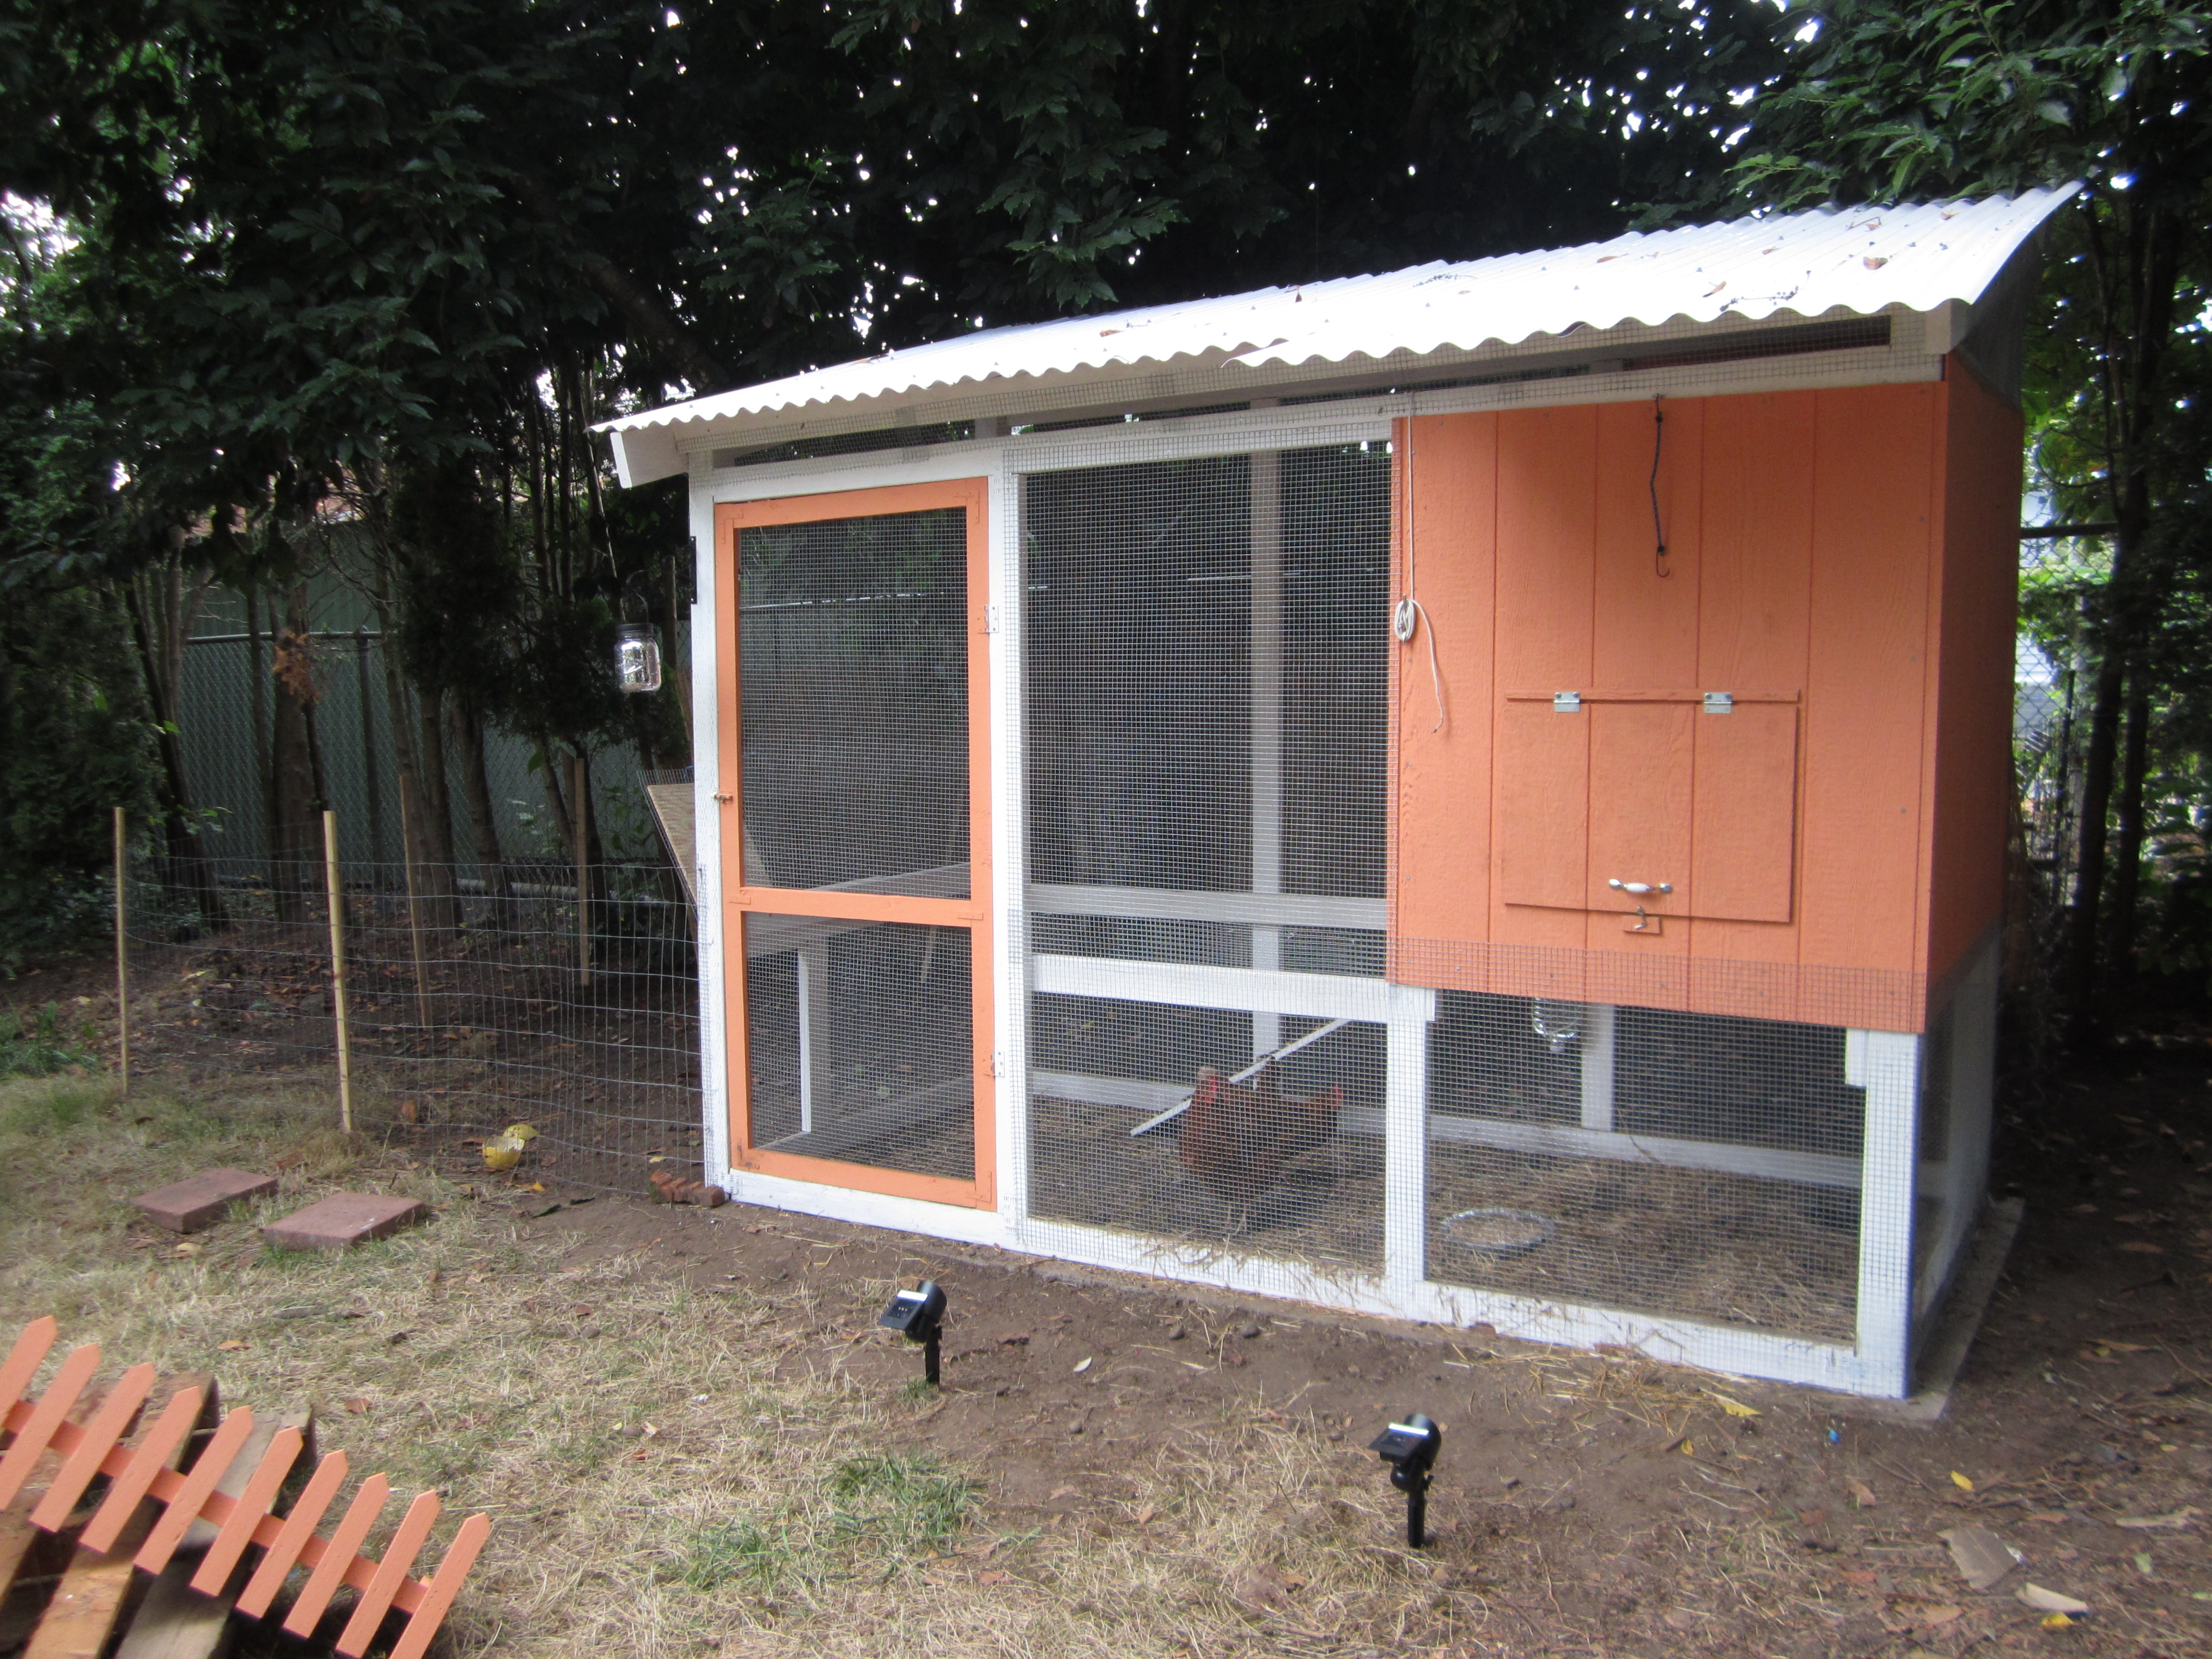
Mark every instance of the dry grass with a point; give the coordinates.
(670, 1470)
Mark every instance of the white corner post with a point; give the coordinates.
(707, 828)
(1598, 1018)
(1406, 1141)
(1887, 1065)
(1267, 516)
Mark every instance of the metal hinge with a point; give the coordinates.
(998, 1062)
(1567, 702)
(1719, 702)
(990, 619)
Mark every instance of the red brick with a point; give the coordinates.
(343, 1220)
(197, 1201)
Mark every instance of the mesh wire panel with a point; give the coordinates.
(464, 1014)
(854, 671)
(1669, 1163)
(1286, 1164)
(1208, 651)
(858, 1043)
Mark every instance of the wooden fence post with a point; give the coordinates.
(122, 960)
(338, 967)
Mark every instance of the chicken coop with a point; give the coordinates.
(1478, 794)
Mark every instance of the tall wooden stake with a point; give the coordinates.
(582, 816)
(122, 963)
(338, 967)
(414, 905)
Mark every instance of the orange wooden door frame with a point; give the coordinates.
(973, 913)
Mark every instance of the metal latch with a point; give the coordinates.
(1641, 887)
(1720, 702)
(1567, 702)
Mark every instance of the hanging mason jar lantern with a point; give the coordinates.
(637, 657)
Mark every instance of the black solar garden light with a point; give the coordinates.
(1409, 1448)
(918, 1315)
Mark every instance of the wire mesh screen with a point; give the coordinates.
(1281, 1159)
(1680, 1164)
(466, 1011)
(854, 676)
(1207, 653)
(858, 1043)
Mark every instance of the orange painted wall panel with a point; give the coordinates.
(1875, 474)
(1846, 554)
(1978, 586)
(1449, 469)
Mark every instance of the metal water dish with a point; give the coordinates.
(1498, 1232)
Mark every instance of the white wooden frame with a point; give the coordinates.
(1885, 1063)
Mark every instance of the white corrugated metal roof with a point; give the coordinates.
(1789, 266)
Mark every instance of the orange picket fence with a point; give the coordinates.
(159, 1500)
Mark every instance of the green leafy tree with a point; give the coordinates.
(1880, 101)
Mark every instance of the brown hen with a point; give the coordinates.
(1237, 1137)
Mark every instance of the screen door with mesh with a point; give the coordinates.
(855, 836)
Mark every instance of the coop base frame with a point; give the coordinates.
(1899, 1289)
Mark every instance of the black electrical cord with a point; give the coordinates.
(1658, 533)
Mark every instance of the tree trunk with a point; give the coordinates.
(160, 619)
(434, 880)
(2127, 856)
(257, 703)
(295, 853)
(476, 799)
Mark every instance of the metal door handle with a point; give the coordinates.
(1641, 886)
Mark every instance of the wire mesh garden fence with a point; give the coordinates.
(466, 1004)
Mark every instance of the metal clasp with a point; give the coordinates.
(1640, 886)
(1567, 702)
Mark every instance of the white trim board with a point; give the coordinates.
(1675, 1341)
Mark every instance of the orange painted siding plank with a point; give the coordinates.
(1547, 577)
(1978, 596)
(1874, 475)
(1743, 836)
(1755, 613)
(1441, 799)
(1644, 625)
(1543, 804)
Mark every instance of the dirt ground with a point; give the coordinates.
(1123, 1468)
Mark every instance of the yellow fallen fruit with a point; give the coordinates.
(504, 1150)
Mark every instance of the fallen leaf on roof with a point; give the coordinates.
(2048, 1600)
(1735, 1407)
(1960, 1482)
